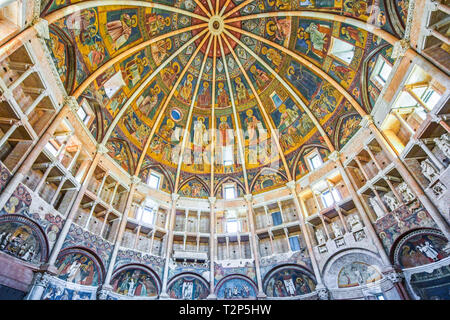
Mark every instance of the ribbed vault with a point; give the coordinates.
(224, 90)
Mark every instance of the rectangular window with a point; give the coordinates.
(82, 114)
(294, 243)
(276, 218)
(229, 192)
(381, 71)
(329, 198)
(342, 50)
(154, 180)
(315, 161)
(148, 215)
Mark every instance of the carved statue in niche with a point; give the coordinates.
(320, 236)
(438, 189)
(428, 169)
(443, 143)
(336, 229)
(376, 207)
(355, 223)
(391, 201)
(406, 192)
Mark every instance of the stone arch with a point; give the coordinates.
(263, 170)
(405, 252)
(300, 155)
(289, 280)
(128, 152)
(337, 133)
(70, 62)
(189, 286)
(344, 259)
(245, 287)
(144, 281)
(90, 270)
(23, 231)
(158, 167)
(194, 179)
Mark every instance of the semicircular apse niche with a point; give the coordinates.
(188, 287)
(288, 282)
(236, 287)
(135, 282)
(78, 266)
(356, 274)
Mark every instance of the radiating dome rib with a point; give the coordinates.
(224, 7)
(202, 7)
(143, 85)
(61, 13)
(237, 8)
(191, 109)
(238, 130)
(287, 87)
(166, 102)
(261, 108)
(213, 115)
(78, 91)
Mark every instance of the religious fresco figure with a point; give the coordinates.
(155, 23)
(242, 93)
(204, 97)
(134, 69)
(315, 38)
(279, 29)
(160, 50)
(222, 96)
(262, 79)
(186, 88)
(351, 33)
(120, 30)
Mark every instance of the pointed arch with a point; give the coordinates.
(228, 179)
(267, 169)
(194, 178)
(337, 134)
(301, 152)
(128, 152)
(163, 171)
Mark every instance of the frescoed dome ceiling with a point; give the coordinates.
(268, 76)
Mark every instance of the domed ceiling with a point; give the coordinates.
(229, 80)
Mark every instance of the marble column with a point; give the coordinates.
(123, 223)
(212, 248)
(169, 245)
(253, 243)
(320, 287)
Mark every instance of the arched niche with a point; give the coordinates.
(79, 265)
(188, 286)
(288, 281)
(419, 247)
(235, 287)
(352, 268)
(22, 238)
(136, 281)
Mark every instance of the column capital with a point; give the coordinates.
(366, 121)
(135, 179)
(400, 48)
(432, 5)
(248, 197)
(101, 148)
(291, 185)
(334, 155)
(41, 27)
(322, 292)
(72, 102)
(212, 200)
(42, 279)
(434, 117)
(394, 276)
